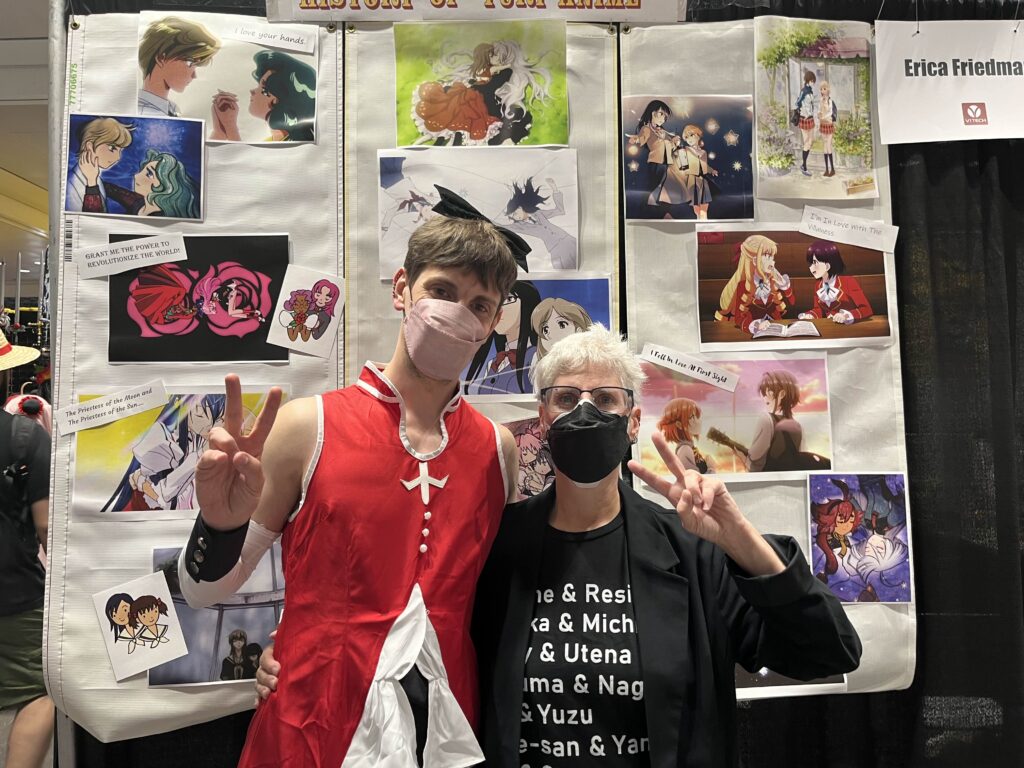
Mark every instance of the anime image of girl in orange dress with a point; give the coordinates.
(483, 102)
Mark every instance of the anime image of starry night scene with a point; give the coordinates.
(688, 157)
(860, 544)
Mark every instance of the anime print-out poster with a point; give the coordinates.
(142, 467)
(309, 312)
(776, 288)
(688, 157)
(812, 84)
(225, 640)
(536, 469)
(139, 624)
(775, 426)
(531, 191)
(480, 83)
(213, 307)
(135, 166)
(538, 312)
(210, 66)
(860, 543)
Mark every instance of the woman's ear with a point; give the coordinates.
(634, 424)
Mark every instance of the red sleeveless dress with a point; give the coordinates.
(381, 562)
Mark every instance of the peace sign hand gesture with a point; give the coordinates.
(708, 510)
(703, 503)
(229, 476)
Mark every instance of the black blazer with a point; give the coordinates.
(697, 614)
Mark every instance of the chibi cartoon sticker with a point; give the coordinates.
(531, 191)
(688, 157)
(309, 312)
(485, 83)
(208, 66)
(536, 313)
(776, 288)
(214, 306)
(860, 544)
(143, 466)
(225, 640)
(815, 137)
(774, 426)
(139, 625)
(135, 166)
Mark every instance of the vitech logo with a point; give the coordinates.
(974, 113)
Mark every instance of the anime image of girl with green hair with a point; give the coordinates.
(284, 96)
(161, 187)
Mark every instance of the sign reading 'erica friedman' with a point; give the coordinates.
(415, 10)
(951, 81)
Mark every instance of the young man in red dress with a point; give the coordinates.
(389, 493)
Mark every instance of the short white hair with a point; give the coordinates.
(593, 349)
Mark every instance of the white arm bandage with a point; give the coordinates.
(258, 540)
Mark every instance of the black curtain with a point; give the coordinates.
(960, 209)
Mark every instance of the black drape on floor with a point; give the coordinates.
(960, 208)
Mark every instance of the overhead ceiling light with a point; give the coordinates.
(26, 270)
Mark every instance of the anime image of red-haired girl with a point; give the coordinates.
(211, 307)
(680, 423)
(305, 318)
(860, 547)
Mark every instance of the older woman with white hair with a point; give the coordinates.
(608, 627)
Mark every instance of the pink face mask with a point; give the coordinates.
(442, 337)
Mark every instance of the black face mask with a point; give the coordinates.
(586, 443)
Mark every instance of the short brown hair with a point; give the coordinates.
(465, 244)
(174, 38)
(145, 603)
(781, 383)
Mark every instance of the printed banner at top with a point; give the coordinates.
(954, 80)
(414, 10)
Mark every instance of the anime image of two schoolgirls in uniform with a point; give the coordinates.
(536, 313)
(214, 306)
(136, 621)
(139, 624)
(688, 157)
(779, 288)
(815, 135)
(498, 83)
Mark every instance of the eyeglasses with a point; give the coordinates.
(617, 400)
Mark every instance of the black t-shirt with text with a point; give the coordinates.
(21, 574)
(583, 699)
